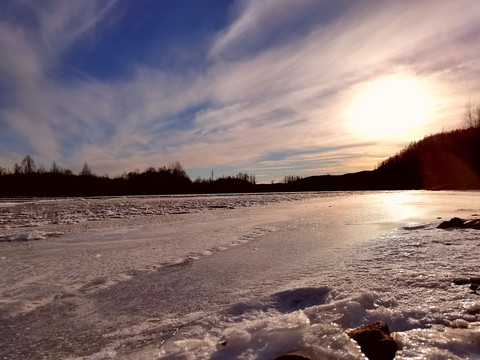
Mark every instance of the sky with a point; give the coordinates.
(270, 87)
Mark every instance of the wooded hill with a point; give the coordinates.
(449, 160)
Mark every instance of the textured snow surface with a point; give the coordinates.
(26, 212)
(237, 277)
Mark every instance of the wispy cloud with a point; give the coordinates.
(33, 49)
(272, 86)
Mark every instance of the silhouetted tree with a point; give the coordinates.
(471, 116)
(289, 179)
(177, 170)
(55, 169)
(86, 171)
(16, 169)
(27, 165)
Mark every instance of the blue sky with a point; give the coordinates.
(271, 87)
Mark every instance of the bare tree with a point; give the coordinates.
(28, 165)
(290, 179)
(471, 116)
(176, 169)
(86, 171)
(17, 169)
(55, 168)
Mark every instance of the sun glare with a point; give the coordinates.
(389, 106)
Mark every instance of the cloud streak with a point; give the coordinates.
(271, 87)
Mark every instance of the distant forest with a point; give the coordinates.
(448, 160)
(28, 180)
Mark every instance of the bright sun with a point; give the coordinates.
(388, 106)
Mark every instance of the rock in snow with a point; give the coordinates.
(452, 223)
(472, 224)
(466, 281)
(375, 341)
(474, 283)
(292, 357)
(460, 223)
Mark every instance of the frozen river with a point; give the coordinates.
(237, 276)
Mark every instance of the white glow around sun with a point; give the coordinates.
(389, 106)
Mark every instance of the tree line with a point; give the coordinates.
(26, 179)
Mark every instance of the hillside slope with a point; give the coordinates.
(449, 160)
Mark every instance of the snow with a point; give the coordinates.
(38, 212)
(238, 276)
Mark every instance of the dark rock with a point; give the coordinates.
(472, 224)
(474, 283)
(459, 223)
(375, 341)
(461, 281)
(466, 281)
(292, 357)
(452, 223)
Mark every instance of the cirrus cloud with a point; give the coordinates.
(271, 98)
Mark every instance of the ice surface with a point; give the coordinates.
(238, 277)
(17, 213)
